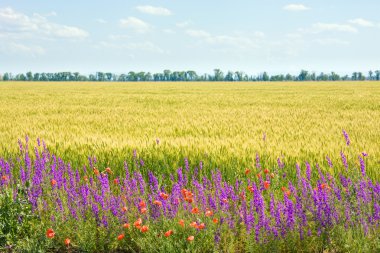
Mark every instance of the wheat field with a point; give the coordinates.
(223, 124)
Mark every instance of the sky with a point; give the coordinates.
(277, 36)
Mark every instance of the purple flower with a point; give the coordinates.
(346, 137)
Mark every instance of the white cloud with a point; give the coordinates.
(331, 27)
(13, 22)
(361, 22)
(135, 24)
(159, 11)
(198, 33)
(296, 7)
(168, 31)
(236, 41)
(332, 41)
(18, 48)
(146, 46)
(101, 21)
(183, 24)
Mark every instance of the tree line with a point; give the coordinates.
(175, 76)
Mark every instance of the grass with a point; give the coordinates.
(220, 123)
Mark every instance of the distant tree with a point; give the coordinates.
(29, 76)
(239, 75)
(192, 75)
(6, 77)
(354, 76)
(36, 77)
(265, 77)
(303, 76)
(370, 74)
(377, 72)
(218, 75)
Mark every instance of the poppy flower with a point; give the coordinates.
(144, 229)
(190, 238)
(194, 224)
(4, 178)
(242, 195)
(266, 185)
(287, 193)
(209, 213)
(138, 222)
(258, 175)
(50, 233)
(120, 237)
(266, 171)
(157, 203)
(67, 241)
(283, 188)
(201, 226)
(215, 220)
(164, 195)
(195, 210)
(250, 188)
(143, 210)
(183, 192)
(142, 204)
(189, 200)
(53, 182)
(116, 181)
(85, 178)
(225, 200)
(126, 225)
(181, 223)
(247, 171)
(124, 209)
(96, 171)
(168, 233)
(109, 171)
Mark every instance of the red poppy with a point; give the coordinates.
(250, 188)
(247, 171)
(209, 213)
(190, 238)
(283, 188)
(116, 181)
(201, 226)
(138, 222)
(96, 171)
(157, 203)
(168, 233)
(67, 241)
(143, 210)
(194, 224)
(120, 237)
(215, 220)
(4, 178)
(181, 223)
(144, 229)
(258, 175)
(164, 195)
(50, 233)
(53, 182)
(266, 171)
(142, 203)
(266, 185)
(225, 200)
(195, 210)
(126, 225)
(109, 171)
(287, 193)
(85, 178)
(124, 209)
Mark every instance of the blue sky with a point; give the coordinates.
(277, 36)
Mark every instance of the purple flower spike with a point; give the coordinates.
(345, 134)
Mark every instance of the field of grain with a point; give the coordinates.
(189, 167)
(222, 124)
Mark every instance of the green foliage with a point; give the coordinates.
(17, 221)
